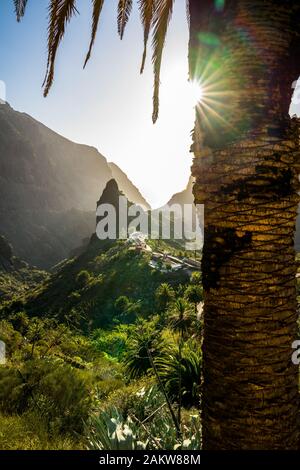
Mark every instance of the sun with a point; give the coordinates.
(196, 92)
(178, 90)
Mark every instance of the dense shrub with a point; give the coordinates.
(58, 392)
(83, 278)
(129, 398)
(29, 432)
(112, 343)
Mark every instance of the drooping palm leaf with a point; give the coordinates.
(97, 9)
(20, 6)
(52, 10)
(162, 16)
(60, 13)
(154, 14)
(124, 10)
(147, 8)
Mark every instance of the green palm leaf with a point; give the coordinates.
(97, 8)
(147, 8)
(60, 13)
(162, 16)
(154, 14)
(20, 6)
(124, 10)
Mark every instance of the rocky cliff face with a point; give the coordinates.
(122, 218)
(48, 189)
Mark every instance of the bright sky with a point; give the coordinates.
(108, 105)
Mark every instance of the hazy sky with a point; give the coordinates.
(108, 105)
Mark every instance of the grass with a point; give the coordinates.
(27, 432)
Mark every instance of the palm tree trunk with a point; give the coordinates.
(246, 167)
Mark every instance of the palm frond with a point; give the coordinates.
(147, 8)
(188, 14)
(60, 13)
(52, 12)
(20, 6)
(97, 9)
(162, 16)
(124, 10)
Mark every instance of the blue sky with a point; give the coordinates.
(108, 105)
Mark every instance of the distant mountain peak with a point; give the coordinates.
(185, 196)
(110, 194)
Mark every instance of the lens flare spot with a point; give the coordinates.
(219, 4)
(196, 92)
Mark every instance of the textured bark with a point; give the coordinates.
(246, 168)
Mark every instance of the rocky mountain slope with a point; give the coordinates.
(109, 281)
(48, 188)
(16, 276)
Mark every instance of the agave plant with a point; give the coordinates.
(151, 428)
(109, 431)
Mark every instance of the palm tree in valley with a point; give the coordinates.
(194, 294)
(245, 56)
(164, 295)
(182, 317)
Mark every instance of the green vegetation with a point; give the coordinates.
(105, 353)
(19, 282)
(148, 426)
(16, 276)
(94, 357)
(109, 283)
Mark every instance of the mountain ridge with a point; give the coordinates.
(49, 186)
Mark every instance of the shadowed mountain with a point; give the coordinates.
(121, 218)
(88, 287)
(16, 276)
(48, 189)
